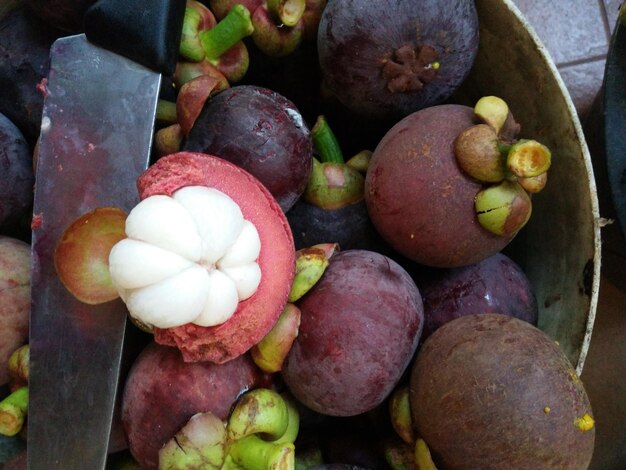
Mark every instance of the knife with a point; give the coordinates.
(96, 134)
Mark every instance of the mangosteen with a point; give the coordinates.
(359, 329)
(260, 131)
(491, 391)
(390, 58)
(332, 208)
(419, 199)
(208, 259)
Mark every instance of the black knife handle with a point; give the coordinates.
(145, 31)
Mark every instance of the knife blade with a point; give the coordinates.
(97, 126)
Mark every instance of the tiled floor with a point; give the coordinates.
(577, 34)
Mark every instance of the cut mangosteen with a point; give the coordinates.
(389, 58)
(209, 258)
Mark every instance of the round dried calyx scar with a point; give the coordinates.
(188, 258)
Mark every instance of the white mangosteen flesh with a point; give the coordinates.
(189, 258)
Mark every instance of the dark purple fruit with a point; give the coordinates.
(16, 174)
(392, 57)
(16, 461)
(348, 226)
(354, 441)
(260, 131)
(359, 328)
(66, 15)
(494, 285)
(24, 54)
(162, 392)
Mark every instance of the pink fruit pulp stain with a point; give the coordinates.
(37, 221)
(334, 175)
(42, 86)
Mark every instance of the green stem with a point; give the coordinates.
(325, 142)
(166, 111)
(253, 453)
(235, 26)
(13, 411)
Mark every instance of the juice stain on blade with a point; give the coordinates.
(97, 126)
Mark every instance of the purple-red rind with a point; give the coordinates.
(255, 316)
(260, 131)
(360, 326)
(162, 392)
(419, 199)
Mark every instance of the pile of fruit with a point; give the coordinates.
(317, 266)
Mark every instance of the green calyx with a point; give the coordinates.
(259, 411)
(422, 456)
(261, 431)
(201, 443)
(166, 111)
(333, 185)
(400, 414)
(360, 161)
(253, 453)
(493, 111)
(479, 153)
(269, 354)
(310, 266)
(259, 435)
(18, 364)
(190, 46)
(528, 158)
(274, 38)
(503, 209)
(492, 153)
